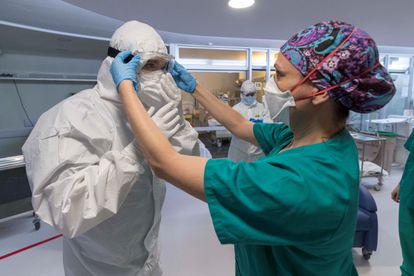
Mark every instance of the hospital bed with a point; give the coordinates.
(365, 142)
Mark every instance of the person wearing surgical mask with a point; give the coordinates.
(293, 211)
(91, 181)
(279, 102)
(253, 111)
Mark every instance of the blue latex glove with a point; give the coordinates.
(183, 78)
(125, 71)
(255, 121)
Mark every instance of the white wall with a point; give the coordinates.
(32, 65)
(36, 96)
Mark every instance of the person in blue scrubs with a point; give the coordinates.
(293, 211)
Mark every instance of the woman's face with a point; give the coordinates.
(287, 77)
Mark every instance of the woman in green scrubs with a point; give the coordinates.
(404, 194)
(292, 212)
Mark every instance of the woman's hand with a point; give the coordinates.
(183, 78)
(395, 195)
(122, 70)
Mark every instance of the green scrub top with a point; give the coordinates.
(406, 211)
(288, 213)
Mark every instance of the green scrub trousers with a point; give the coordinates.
(288, 213)
(406, 211)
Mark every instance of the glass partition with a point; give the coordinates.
(399, 63)
(273, 57)
(218, 59)
(259, 79)
(224, 85)
(259, 58)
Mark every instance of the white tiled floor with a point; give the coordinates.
(189, 244)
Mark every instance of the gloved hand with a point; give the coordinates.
(166, 118)
(183, 78)
(125, 71)
(254, 120)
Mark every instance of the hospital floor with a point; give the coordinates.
(189, 244)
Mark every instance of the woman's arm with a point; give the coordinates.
(184, 172)
(228, 117)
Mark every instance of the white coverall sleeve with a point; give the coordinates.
(77, 182)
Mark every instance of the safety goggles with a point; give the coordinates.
(250, 94)
(150, 60)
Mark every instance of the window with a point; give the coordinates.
(213, 59)
(259, 59)
(218, 83)
(398, 63)
(259, 78)
(273, 57)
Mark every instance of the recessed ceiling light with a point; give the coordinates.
(240, 4)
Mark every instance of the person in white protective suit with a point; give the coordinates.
(255, 112)
(88, 177)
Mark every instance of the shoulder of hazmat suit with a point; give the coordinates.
(78, 179)
(89, 179)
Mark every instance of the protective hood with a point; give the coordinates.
(135, 37)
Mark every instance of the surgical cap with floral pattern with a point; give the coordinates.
(344, 61)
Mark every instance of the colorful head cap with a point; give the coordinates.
(344, 61)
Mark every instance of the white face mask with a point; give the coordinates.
(150, 88)
(277, 100)
(150, 76)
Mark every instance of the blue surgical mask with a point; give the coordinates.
(248, 100)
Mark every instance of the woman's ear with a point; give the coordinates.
(319, 99)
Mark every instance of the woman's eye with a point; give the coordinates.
(149, 66)
(279, 74)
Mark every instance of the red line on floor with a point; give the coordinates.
(30, 246)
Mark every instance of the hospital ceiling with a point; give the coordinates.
(266, 24)
(389, 22)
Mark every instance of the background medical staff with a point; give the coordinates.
(253, 111)
(404, 194)
(294, 211)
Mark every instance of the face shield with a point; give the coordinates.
(150, 60)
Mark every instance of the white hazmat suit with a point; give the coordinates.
(254, 111)
(89, 179)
